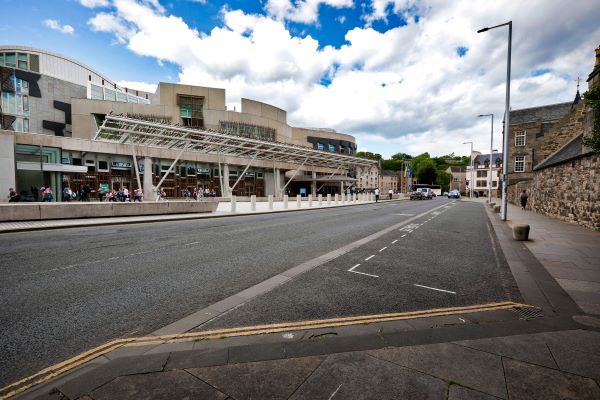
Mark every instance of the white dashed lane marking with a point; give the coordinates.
(380, 250)
(371, 256)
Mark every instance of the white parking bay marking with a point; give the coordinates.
(371, 256)
(362, 273)
(432, 288)
(394, 241)
(380, 250)
(405, 215)
(404, 235)
(336, 390)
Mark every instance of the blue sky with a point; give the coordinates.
(400, 75)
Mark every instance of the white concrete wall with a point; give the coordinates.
(7, 165)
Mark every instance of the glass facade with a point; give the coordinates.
(247, 130)
(17, 103)
(98, 92)
(14, 60)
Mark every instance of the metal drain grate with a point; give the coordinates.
(527, 313)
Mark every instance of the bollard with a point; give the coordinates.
(320, 200)
(335, 198)
(343, 198)
(299, 201)
(285, 202)
(270, 202)
(233, 204)
(355, 197)
(253, 202)
(496, 209)
(521, 232)
(329, 199)
(309, 200)
(492, 205)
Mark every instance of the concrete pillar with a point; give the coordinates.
(270, 202)
(253, 202)
(313, 184)
(277, 180)
(225, 190)
(309, 200)
(320, 200)
(335, 198)
(7, 166)
(328, 199)
(285, 201)
(343, 198)
(299, 201)
(233, 205)
(147, 186)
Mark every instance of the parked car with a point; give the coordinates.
(455, 194)
(445, 194)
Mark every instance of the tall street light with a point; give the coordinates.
(503, 207)
(471, 183)
(491, 151)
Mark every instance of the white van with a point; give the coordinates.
(426, 192)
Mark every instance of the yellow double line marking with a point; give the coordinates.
(65, 366)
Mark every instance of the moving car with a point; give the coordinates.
(455, 194)
(427, 193)
(417, 196)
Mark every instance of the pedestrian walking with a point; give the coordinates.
(13, 196)
(524, 198)
(67, 193)
(376, 195)
(48, 195)
(390, 193)
(100, 193)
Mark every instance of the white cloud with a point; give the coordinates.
(94, 3)
(54, 24)
(305, 11)
(405, 89)
(143, 86)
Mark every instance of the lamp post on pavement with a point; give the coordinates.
(491, 151)
(503, 207)
(471, 162)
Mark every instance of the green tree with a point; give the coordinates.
(369, 155)
(401, 156)
(427, 174)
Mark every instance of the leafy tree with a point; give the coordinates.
(401, 156)
(369, 155)
(427, 173)
(591, 99)
(392, 165)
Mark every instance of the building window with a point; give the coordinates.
(519, 163)
(482, 174)
(22, 61)
(247, 130)
(102, 165)
(520, 138)
(320, 146)
(191, 110)
(481, 183)
(331, 148)
(10, 60)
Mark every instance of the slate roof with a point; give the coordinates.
(483, 157)
(387, 172)
(552, 112)
(569, 151)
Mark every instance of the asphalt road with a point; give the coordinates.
(66, 291)
(443, 259)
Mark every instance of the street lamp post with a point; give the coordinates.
(491, 152)
(503, 207)
(471, 162)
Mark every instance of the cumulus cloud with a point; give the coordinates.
(403, 89)
(94, 3)
(54, 24)
(305, 11)
(143, 86)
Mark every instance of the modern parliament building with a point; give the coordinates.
(62, 123)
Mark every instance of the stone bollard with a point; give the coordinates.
(343, 195)
(270, 202)
(253, 202)
(492, 205)
(496, 209)
(521, 232)
(335, 197)
(329, 199)
(285, 202)
(233, 205)
(299, 201)
(309, 200)
(320, 200)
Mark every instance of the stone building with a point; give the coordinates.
(389, 181)
(459, 178)
(560, 173)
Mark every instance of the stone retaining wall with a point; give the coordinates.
(569, 191)
(45, 211)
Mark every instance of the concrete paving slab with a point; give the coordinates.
(528, 381)
(457, 392)
(359, 376)
(587, 342)
(187, 323)
(107, 372)
(171, 347)
(276, 379)
(472, 368)
(529, 348)
(157, 386)
(575, 361)
(261, 352)
(197, 358)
